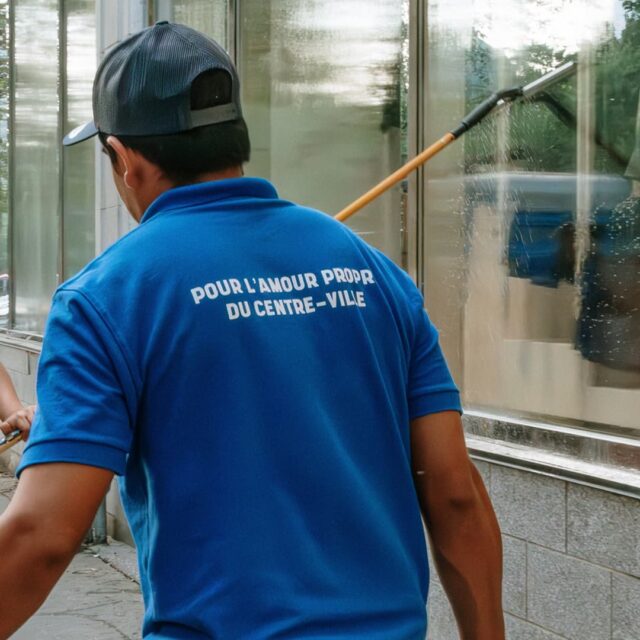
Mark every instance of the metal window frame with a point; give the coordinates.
(11, 164)
(62, 121)
(414, 229)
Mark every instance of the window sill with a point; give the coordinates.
(605, 461)
(22, 340)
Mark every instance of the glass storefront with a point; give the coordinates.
(49, 195)
(79, 161)
(324, 96)
(530, 236)
(532, 252)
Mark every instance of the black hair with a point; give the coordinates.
(183, 157)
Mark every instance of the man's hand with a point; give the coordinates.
(463, 530)
(40, 533)
(20, 420)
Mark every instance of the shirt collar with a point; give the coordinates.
(205, 192)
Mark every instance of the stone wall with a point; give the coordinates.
(571, 560)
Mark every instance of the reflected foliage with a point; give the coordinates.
(540, 138)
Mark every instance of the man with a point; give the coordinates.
(267, 385)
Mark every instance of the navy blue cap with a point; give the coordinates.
(143, 85)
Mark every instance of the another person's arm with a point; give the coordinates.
(9, 401)
(13, 416)
(41, 531)
(463, 530)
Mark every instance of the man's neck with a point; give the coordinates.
(157, 188)
(233, 172)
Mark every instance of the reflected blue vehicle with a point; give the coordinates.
(541, 248)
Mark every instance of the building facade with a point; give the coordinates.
(524, 235)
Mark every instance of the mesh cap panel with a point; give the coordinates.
(143, 85)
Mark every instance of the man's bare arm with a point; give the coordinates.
(41, 531)
(463, 530)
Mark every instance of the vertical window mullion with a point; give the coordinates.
(11, 166)
(233, 31)
(62, 120)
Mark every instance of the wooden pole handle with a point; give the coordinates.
(396, 177)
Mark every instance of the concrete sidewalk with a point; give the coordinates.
(98, 598)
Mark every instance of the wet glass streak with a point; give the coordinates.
(533, 222)
(324, 87)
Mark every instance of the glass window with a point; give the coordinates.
(36, 184)
(208, 16)
(49, 194)
(79, 160)
(532, 252)
(324, 95)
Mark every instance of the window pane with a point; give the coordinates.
(533, 238)
(79, 160)
(323, 86)
(4, 160)
(36, 183)
(208, 16)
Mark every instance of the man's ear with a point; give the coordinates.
(125, 160)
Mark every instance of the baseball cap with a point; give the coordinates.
(143, 85)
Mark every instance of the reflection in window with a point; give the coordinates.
(533, 227)
(324, 93)
(36, 185)
(208, 16)
(79, 160)
(609, 320)
(323, 88)
(52, 192)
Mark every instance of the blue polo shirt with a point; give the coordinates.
(249, 367)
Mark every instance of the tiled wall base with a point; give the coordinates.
(571, 561)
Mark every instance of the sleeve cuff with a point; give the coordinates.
(423, 405)
(87, 453)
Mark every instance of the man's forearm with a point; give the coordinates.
(29, 568)
(40, 532)
(467, 549)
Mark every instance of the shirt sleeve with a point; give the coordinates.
(87, 397)
(431, 387)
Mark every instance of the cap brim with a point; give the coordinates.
(80, 134)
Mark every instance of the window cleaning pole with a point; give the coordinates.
(6, 442)
(496, 101)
